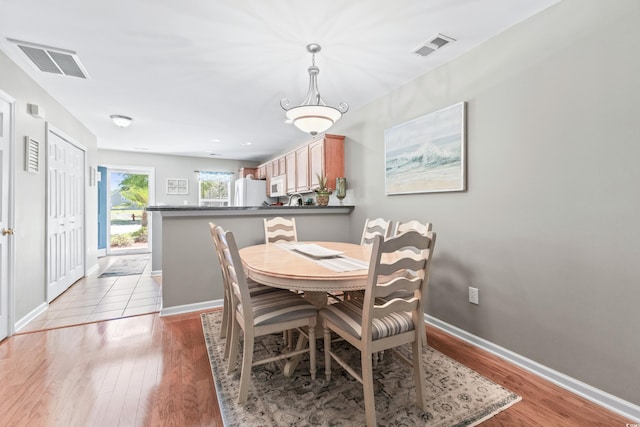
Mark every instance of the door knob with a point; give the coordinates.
(6, 231)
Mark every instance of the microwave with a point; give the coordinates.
(278, 186)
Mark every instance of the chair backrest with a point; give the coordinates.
(398, 278)
(403, 227)
(375, 227)
(216, 243)
(278, 228)
(237, 280)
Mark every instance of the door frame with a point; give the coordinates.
(49, 128)
(146, 170)
(10, 199)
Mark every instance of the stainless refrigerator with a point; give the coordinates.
(250, 192)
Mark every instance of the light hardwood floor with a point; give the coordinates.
(152, 371)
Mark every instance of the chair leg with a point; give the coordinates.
(225, 317)
(418, 374)
(327, 353)
(234, 341)
(245, 375)
(312, 350)
(228, 334)
(367, 385)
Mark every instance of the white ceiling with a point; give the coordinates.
(205, 76)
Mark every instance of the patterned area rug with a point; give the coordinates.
(126, 267)
(456, 395)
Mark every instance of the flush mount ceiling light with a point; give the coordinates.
(121, 121)
(313, 115)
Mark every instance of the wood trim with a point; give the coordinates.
(579, 388)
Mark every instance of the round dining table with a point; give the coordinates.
(277, 265)
(280, 266)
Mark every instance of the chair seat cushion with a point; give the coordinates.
(279, 306)
(348, 316)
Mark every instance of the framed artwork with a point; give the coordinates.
(427, 154)
(177, 186)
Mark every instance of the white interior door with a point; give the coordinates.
(6, 233)
(65, 212)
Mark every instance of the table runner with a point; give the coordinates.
(339, 263)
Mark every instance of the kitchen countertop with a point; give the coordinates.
(193, 210)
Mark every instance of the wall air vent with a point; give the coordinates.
(434, 43)
(52, 60)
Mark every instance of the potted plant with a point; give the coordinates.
(322, 192)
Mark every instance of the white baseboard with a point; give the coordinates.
(156, 272)
(93, 269)
(30, 316)
(602, 398)
(189, 308)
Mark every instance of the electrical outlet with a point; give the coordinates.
(474, 297)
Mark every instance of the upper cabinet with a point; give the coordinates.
(326, 157)
(302, 169)
(290, 167)
(320, 156)
(245, 172)
(262, 171)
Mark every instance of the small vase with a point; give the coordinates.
(341, 188)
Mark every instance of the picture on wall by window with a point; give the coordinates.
(427, 154)
(177, 186)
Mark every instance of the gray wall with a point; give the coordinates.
(30, 212)
(191, 272)
(172, 167)
(169, 167)
(548, 227)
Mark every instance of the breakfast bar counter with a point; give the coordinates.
(183, 251)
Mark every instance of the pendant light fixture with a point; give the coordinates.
(313, 115)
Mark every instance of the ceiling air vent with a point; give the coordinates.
(436, 42)
(52, 60)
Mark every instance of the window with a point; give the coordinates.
(214, 188)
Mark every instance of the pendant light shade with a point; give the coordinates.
(313, 115)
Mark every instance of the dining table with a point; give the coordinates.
(316, 269)
(313, 268)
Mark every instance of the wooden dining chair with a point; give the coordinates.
(400, 228)
(403, 227)
(280, 229)
(372, 325)
(258, 315)
(375, 227)
(255, 288)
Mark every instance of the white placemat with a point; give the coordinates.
(338, 263)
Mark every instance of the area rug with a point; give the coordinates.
(126, 267)
(456, 395)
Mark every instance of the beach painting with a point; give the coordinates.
(427, 154)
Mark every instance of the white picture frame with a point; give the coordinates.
(177, 186)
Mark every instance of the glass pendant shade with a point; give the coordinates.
(313, 116)
(313, 119)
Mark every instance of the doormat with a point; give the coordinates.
(126, 267)
(456, 395)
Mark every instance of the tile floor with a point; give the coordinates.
(92, 299)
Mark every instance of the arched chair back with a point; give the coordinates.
(375, 227)
(403, 227)
(280, 229)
